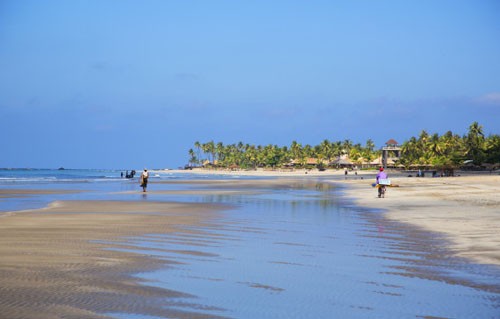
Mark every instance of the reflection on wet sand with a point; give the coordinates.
(237, 249)
(311, 253)
(56, 262)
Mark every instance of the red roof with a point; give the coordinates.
(391, 142)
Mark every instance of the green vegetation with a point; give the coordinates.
(445, 151)
(452, 150)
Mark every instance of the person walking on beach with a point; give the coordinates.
(381, 188)
(144, 180)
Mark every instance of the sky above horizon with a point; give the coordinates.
(130, 84)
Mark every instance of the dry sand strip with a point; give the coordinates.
(466, 209)
(54, 264)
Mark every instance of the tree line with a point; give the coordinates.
(447, 151)
(452, 150)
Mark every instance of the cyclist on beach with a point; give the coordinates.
(381, 175)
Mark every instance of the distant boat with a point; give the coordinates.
(61, 168)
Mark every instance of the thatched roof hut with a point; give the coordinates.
(343, 162)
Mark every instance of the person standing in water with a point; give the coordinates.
(144, 180)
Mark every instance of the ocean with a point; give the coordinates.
(97, 184)
(20, 176)
(302, 250)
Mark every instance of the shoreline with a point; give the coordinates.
(316, 173)
(465, 208)
(74, 258)
(268, 172)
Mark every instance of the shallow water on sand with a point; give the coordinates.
(303, 251)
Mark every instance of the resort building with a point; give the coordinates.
(391, 153)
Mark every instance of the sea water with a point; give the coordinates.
(306, 252)
(82, 184)
(300, 251)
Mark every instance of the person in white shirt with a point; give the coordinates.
(144, 180)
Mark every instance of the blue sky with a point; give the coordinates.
(127, 84)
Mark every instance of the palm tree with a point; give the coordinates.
(211, 150)
(492, 147)
(326, 150)
(204, 149)
(410, 151)
(474, 142)
(370, 146)
(220, 152)
(296, 151)
(192, 157)
(355, 155)
(476, 130)
(271, 155)
(197, 145)
(337, 149)
(251, 156)
(367, 152)
(346, 146)
(453, 148)
(435, 145)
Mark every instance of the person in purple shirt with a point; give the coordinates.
(381, 175)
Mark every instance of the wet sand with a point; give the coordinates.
(56, 262)
(27, 192)
(466, 209)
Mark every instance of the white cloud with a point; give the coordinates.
(491, 98)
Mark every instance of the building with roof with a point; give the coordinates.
(391, 153)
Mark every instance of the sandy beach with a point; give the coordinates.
(56, 262)
(465, 208)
